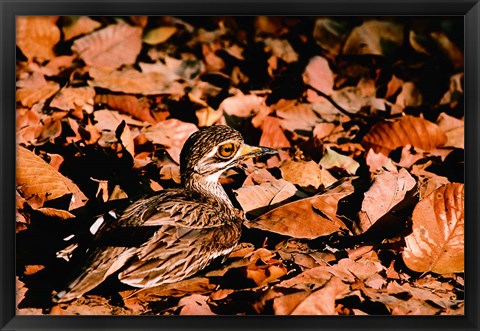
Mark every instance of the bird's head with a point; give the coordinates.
(210, 151)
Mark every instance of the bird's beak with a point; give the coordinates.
(252, 151)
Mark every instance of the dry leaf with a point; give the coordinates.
(128, 104)
(272, 134)
(72, 98)
(172, 134)
(332, 159)
(131, 81)
(264, 195)
(110, 47)
(195, 304)
(306, 174)
(319, 75)
(322, 301)
(37, 36)
(384, 137)
(374, 38)
(37, 178)
(159, 35)
(298, 118)
(454, 130)
(437, 242)
(388, 189)
(77, 26)
(307, 218)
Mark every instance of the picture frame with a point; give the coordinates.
(12, 8)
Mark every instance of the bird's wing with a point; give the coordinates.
(171, 254)
(174, 208)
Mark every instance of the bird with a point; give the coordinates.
(187, 227)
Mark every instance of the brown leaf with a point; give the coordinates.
(272, 134)
(35, 177)
(72, 98)
(37, 36)
(131, 81)
(53, 212)
(285, 304)
(77, 26)
(264, 195)
(332, 159)
(110, 47)
(159, 35)
(241, 105)
(172, 134)
(128, 104)
(308, 218)
(319, 75)
(298, 118)
(388, 189)
(195, 304)
(437, 241)
(428, 181)
(384, 137)
(265, 274)
(35, 89)
(454, 130)
(306, 174)
(329, 33)
(107, 124)
(322, 301)
(374, 38)
(281, 48)
(409, 96)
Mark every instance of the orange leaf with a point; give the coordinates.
(308, 218)
(35, 177)
(37, 35)
(110, 47)
(437, 241)
(384, 137)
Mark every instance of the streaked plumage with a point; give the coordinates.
(191, 225)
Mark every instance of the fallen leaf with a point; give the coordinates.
(437, 241)
(159, 35)
(172, 134)
(298, 118)
(78, 25)
(265, 195)
(241, 105)
(195, 304)
(110, 47)
(388, 189)
(322, 301)
(35, 89)
(306, 174)
(138, 108)
(332, 159)
(454, 129)
(272, 134)
(374, 37)
(72, 98)
(307, 218)
(330, 33)
(319, 75)
(131, 81)
(281, 48)
(35, 177)
(37, 36)
(386, 136)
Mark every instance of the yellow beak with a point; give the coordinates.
(252, 151)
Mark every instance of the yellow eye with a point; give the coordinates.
(227, 150)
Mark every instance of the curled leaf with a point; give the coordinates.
(437, 241)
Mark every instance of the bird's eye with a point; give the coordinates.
(227, 150)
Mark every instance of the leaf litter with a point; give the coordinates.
(361, 212)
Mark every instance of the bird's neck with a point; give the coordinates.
(208, 186)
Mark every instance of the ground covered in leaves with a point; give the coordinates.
(361, 212)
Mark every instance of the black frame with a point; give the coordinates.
(470, 9)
